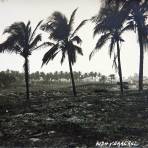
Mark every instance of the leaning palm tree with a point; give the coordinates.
(109, 24)
(22, 40)
(65, 40)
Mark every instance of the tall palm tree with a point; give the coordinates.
(22, 40)
(138, 18)
(109, 24)
(65, 40)
(136, 14)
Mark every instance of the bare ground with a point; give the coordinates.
(57, 119)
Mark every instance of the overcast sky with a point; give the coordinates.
(23, 10)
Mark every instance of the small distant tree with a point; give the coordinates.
(85, 75)
(99, 75)
(103, 79)
(112, 78)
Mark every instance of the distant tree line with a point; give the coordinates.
(9, 76)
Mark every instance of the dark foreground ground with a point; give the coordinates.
(57, 119)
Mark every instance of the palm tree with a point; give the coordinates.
(138, 17)
(65, 40)
(110, 25)
(85, 75)
(103, 79)
(91, 74)
(22, 40)
(136, 14)
(99, 75)
(112, 78)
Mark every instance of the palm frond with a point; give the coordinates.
(19, 32)
(43, 45)
(79, 26)
(57, 16)
(16, 28)
(78, 49)
(63, 56)
(111, 47)
(103, 13)
(10, 45)
(50, 55)
(33, 33)
(121, 39)
(71, 21)
(109, 18)
(144, 7)
(92, 54)
(100, 28)
(57, 26)
(102, 40)
(46, 27)
(27, 26)
(28, 31)
(130, 26)
(76, 39)
(94, 19)
(35, 41)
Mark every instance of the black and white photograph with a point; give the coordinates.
(74, 73)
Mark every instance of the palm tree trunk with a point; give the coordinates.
(141, 61)
(26, 69)
(119, 68)
(72, 77)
